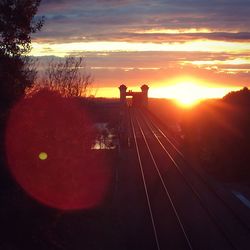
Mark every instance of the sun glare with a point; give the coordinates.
(187, 101)
(188, 93)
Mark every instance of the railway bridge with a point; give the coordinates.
(139, 99)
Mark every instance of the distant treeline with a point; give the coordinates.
(217, 132)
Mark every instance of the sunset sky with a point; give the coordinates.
(201, 46)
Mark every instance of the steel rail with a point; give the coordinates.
(166, 189)
(145, 185)
(209, 212)
(203, 180)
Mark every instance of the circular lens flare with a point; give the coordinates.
(48, 146)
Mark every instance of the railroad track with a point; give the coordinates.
(180, 216)
(167, 140)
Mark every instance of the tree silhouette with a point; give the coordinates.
(17, 23)
(67, 76)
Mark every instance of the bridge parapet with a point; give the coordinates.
(138, 98)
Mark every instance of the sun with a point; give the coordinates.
(187, 101)
(187, 94)
(188, 91)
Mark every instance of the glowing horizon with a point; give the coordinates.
(185, 93)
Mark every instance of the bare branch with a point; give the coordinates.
(67, 76)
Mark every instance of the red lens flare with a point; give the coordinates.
(48, 145)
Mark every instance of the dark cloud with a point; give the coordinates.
(152, 59)
(72, 34)
(125, 20)
(110, 69)
(96, 19)
(161, 38)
